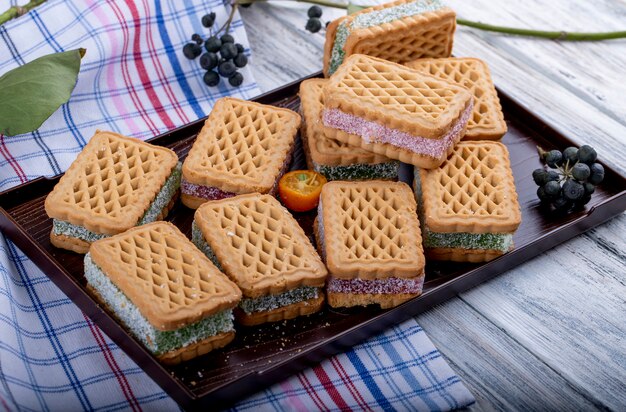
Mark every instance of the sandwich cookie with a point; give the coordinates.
(163, 290)
(327, 155)
(487, 121)
(369, 236)
(115, 183)
(244, 147)
(399, 31)
(260, 246)
(391, 110)
(468, 207)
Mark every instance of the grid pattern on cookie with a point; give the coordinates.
(164, 275)
(323, 148)
(487, 119)
(371, 230)
(111, 183)
(425, 35)
(242, 142)
(260, 245)
(472, 191)
(387, 92)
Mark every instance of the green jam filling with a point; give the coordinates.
(157, 341)
(360, 171)
(271, 302)
(485, 241)
(461, 240)
(375, 18)
(161, 200)
(263, 303)
(198, 239)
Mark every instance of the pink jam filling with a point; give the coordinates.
(376, 286)
(214, 193)
(372, 132)
(204, 192)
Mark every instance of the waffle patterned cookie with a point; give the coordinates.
(369, 230)
(487, 121)
(185, 353)
(322, 148)
(399, 31)
(473, 191)
(242, 148)
(111, 184)
(260, 245)
(164, 275)
(398, 112)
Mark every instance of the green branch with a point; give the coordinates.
(17, 11)
(556, 35)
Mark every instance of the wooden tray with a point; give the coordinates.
(260, 356)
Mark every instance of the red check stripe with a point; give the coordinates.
(115, 368)
(331, 388)
(156, 62)
(349, 384)
(141, 68)
(312, 393)
(14, 164)
(125, 71)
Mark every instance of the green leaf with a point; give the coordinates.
(353, 8)
(29, 94)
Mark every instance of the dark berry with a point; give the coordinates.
(208, 61)
(581, 171)
(553, 158)
(573, 190)
(246, 5)
(313, 25)
(208, 19)
(211, 78)
(240, 60)
(228, 51)
(552, 176)
(236, 79)
(552, 189)
(197, 38)
(314, 11)
(541, 194)
(192, 50)
(587, 154)
(539, 176)
(584, 200)
(561, 203)
(212, 44)
(570, 155)
(327, 23)
(597, 173)
(227, 38)
(239, 47)
(589, 188)
(227, 69)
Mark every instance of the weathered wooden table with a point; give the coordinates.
(551, 333)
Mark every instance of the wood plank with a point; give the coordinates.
(567, 307)
(501, 373)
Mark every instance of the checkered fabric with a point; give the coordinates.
(134, 80)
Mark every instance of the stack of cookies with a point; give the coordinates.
(394, 95)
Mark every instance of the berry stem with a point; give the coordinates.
(17, 11)
(226, 25)
(544, 34)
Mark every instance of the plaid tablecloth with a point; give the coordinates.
(134, 80)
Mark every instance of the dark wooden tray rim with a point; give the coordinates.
(539, 232)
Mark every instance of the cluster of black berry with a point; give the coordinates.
(314, 23)
(222, 54)
(574, 179)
